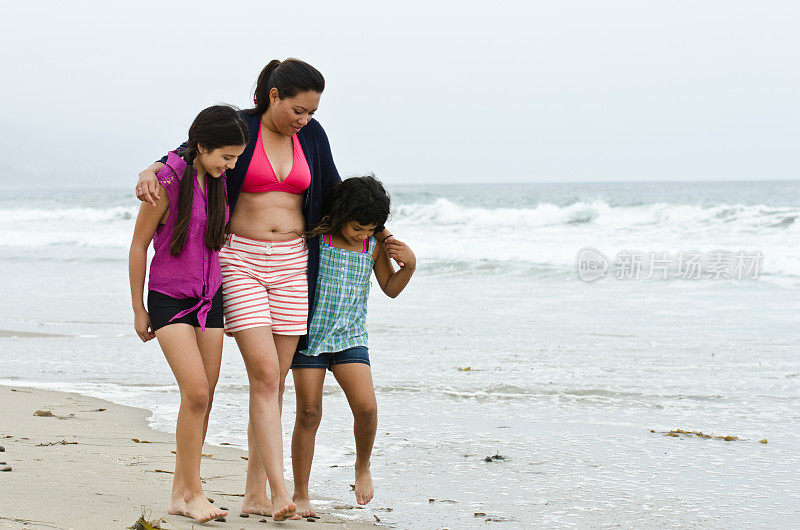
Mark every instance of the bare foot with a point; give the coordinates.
(177, 506)
(257, 505)
(286, 511)
(364, 488)
(304, 508)
(199, 509)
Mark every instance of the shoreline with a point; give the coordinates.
(97, 464)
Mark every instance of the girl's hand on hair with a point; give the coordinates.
(401, 253)
(141, 323)
(147, 186)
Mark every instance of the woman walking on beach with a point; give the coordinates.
(354, 211)
(275, 193)
(184, 301)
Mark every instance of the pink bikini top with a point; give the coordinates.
(260, 176)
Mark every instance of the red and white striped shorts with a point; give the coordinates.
(264, 283)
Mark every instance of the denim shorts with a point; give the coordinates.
(356, 354)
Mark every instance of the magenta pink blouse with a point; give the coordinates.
(195, 272)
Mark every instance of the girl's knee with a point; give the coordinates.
(196, 399)
(365, 413)
(309, 416)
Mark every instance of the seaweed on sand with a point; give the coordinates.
(677, 433)
(144, 524)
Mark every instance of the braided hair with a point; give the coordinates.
(215, 127)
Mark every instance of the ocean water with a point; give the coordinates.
(498, 347)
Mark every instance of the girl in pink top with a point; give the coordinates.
(184, 310)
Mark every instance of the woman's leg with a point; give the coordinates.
(256, 500)
(255, 493)
(252, 290)
(180, 347)
(308, 386)
(263, 372)
(245, 297)
(356, 381)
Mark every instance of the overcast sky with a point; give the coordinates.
(417, 91)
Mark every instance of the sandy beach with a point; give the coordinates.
(82, 468)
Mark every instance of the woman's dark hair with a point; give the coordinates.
(290, 77)
(215, 127)
(359, 199)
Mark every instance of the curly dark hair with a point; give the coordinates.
(360, 199)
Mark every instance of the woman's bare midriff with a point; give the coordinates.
(269, 216)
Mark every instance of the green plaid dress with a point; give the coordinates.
(340, 304)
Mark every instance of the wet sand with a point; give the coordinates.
(27, 334)
(81, 468)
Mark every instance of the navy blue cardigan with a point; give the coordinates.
(315, 146)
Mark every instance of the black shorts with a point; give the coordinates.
(162, 308)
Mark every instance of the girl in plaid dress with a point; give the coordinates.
(353, 212)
